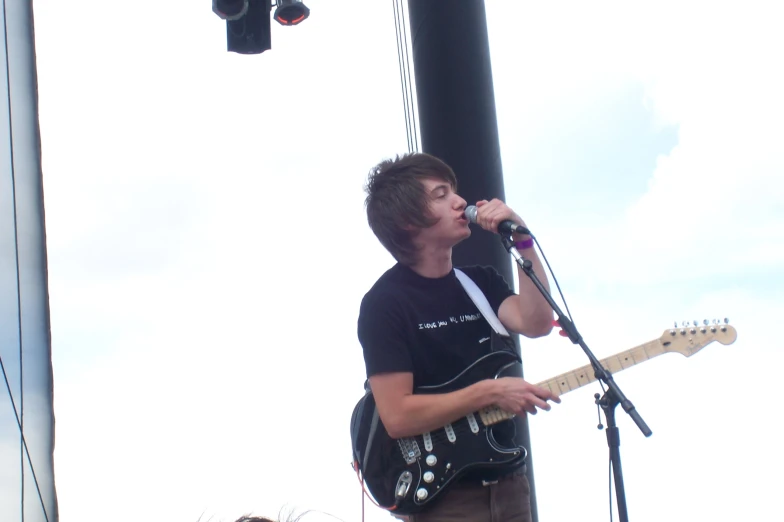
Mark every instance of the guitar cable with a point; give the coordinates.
(555, 279)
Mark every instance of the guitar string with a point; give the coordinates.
(440, 436)
(563, 378)
(460, 428)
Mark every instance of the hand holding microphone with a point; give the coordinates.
(495, 216)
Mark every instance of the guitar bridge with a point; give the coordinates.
(410, 450)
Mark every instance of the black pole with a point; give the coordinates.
(608, 404)
(457, 123)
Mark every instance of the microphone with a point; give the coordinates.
(506, 227)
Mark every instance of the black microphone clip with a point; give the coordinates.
(509, 227)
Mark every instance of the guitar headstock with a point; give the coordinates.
(691, 337)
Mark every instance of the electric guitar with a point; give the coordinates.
(405, 475)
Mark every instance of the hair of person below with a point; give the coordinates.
(282, 517)
(397, 203)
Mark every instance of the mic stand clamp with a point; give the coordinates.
(611, 398)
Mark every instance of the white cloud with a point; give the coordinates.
(715, 199)
(712, 204)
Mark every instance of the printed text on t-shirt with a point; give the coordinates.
(452, 320)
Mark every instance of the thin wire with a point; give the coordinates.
(414, 139)
(555, 280)
(24, 442)
(402, 73)
(601, 384)
(405, 82)
(20, 413)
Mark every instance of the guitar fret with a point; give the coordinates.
(613, 364)
(582, 377)
(626, 361)
(639, 355)
(493, 414)
(653, 348)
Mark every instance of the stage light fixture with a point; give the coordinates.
(291, 12)
(250, 33)
(230, 9)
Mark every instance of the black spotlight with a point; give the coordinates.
(248, 28)
(230, 9)
(291, 12)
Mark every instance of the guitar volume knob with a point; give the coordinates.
(431, 460)
(421, 494)
(428, 476)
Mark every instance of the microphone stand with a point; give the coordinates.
(611, 398)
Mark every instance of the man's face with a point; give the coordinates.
(449, 209)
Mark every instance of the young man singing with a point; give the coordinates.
(408, 341)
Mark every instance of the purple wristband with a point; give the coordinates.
(522, 245)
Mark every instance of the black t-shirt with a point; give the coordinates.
(432, 328)
(427, 326)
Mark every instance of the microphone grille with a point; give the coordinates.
(470, 213)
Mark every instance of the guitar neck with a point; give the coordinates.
(690, 341)
(574, 379)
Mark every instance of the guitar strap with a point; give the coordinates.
(481, 302)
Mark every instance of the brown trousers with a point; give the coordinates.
(508, 500)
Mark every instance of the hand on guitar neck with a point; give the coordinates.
(517, 396)
(405, 413)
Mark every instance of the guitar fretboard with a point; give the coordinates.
(570, 381)
(493, 414)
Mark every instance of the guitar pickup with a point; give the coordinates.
(428, 441)
(450, 433)
(472, 423)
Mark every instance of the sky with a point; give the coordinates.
(208, 249)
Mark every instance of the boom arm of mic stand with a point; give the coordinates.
(576, 338)
(612, 397)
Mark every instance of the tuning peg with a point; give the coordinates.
(726, 321)
(705, 322)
